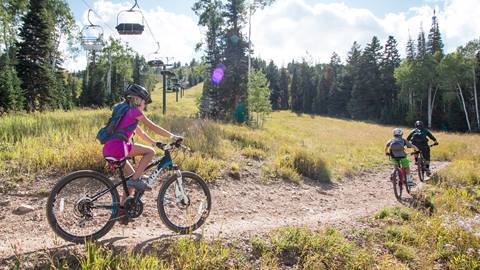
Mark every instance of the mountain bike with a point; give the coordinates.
(84, 205)
(420, 161)
(399, 180)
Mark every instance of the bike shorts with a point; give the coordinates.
(402, 162)
(117, 148)
(425, 149)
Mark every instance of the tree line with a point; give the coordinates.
(375, 84)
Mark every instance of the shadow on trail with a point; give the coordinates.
(322, 186)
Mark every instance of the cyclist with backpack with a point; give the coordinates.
(395, 148)
(117, 135)
(419, 137)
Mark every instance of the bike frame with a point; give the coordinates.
(165, 162)
(401, 172)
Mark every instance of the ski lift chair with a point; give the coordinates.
(129, 28)
(92, 36)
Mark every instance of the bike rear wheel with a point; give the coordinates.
(180, 215)
(78, 211)
(397, 184)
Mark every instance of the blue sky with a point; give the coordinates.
(293, 29)
(378, 7)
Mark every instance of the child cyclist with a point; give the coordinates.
(137, 98)
(395, 148)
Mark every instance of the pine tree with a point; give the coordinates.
(366, 93)
(390, 61)
(421, 45)
(34, 66)
(435, 44)
(273, 85)
(210, 16)
(410, 49)
(323, 83)
(307, 88)
(337, 96)
(283, 86)
(11, 95)
(297, 101)
(233, 88)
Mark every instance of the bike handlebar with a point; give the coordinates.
(419, 151)
(169, 146)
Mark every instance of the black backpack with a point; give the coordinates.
(418, 136)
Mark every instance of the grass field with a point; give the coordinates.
(439, 230)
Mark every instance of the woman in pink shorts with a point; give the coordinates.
(137, 97)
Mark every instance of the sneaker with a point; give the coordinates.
(410, 182)
(138, 184)
(123, 219)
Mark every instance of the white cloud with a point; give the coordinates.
(292, 29)
(289, 28)
(176, 33)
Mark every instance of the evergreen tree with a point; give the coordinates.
(410, 49)
(259, 64)
(337, 96)
(233, 88)
(34, 65)
(297, 101)
(283, 86)
(421, 45)
(273, 85)
(365, 102)
(390, 61)
(210, 16)
(323, 83)
(435, 44)
(307, 88)
(11, 95)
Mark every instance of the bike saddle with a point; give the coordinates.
(115, 162)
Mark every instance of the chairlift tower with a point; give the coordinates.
(166, 73)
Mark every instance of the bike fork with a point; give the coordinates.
(180, 193)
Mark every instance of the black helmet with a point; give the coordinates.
(419, 124)
(139, 91)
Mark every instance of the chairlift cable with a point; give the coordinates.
(149, 29)
(100, 17)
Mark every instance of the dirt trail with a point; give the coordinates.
(240, 208)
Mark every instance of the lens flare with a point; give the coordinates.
(218, 73)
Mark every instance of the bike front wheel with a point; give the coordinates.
(420, 169)
(184, 204)
(82, 206)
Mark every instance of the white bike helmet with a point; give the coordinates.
(398, 132)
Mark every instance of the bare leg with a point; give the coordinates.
(147, 154)
(127, 171)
